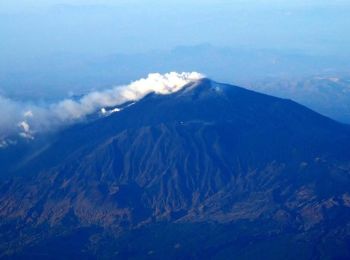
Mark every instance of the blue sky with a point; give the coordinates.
(51, 48)
(40, 27)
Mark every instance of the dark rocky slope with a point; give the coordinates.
(212, 171)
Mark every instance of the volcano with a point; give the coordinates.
(212, 171)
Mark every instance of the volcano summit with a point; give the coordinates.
(208, 171)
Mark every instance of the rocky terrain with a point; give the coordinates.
(211, 171)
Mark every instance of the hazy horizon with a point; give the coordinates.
(52, 50)
(104, 27)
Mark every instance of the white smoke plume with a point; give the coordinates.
(25, 120)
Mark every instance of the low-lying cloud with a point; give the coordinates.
(26, 120)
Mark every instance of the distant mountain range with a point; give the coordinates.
(329, 96)
(212, 171)
(309, 79)
(61, 73)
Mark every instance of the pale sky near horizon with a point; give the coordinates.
(38, 27)
(22, 4)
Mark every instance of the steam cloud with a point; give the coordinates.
(25, 120)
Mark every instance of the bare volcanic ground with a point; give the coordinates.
(211, 171)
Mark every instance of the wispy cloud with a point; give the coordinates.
(26, 120)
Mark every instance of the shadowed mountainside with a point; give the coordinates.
(240, 173)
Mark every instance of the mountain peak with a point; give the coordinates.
(208, 153)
